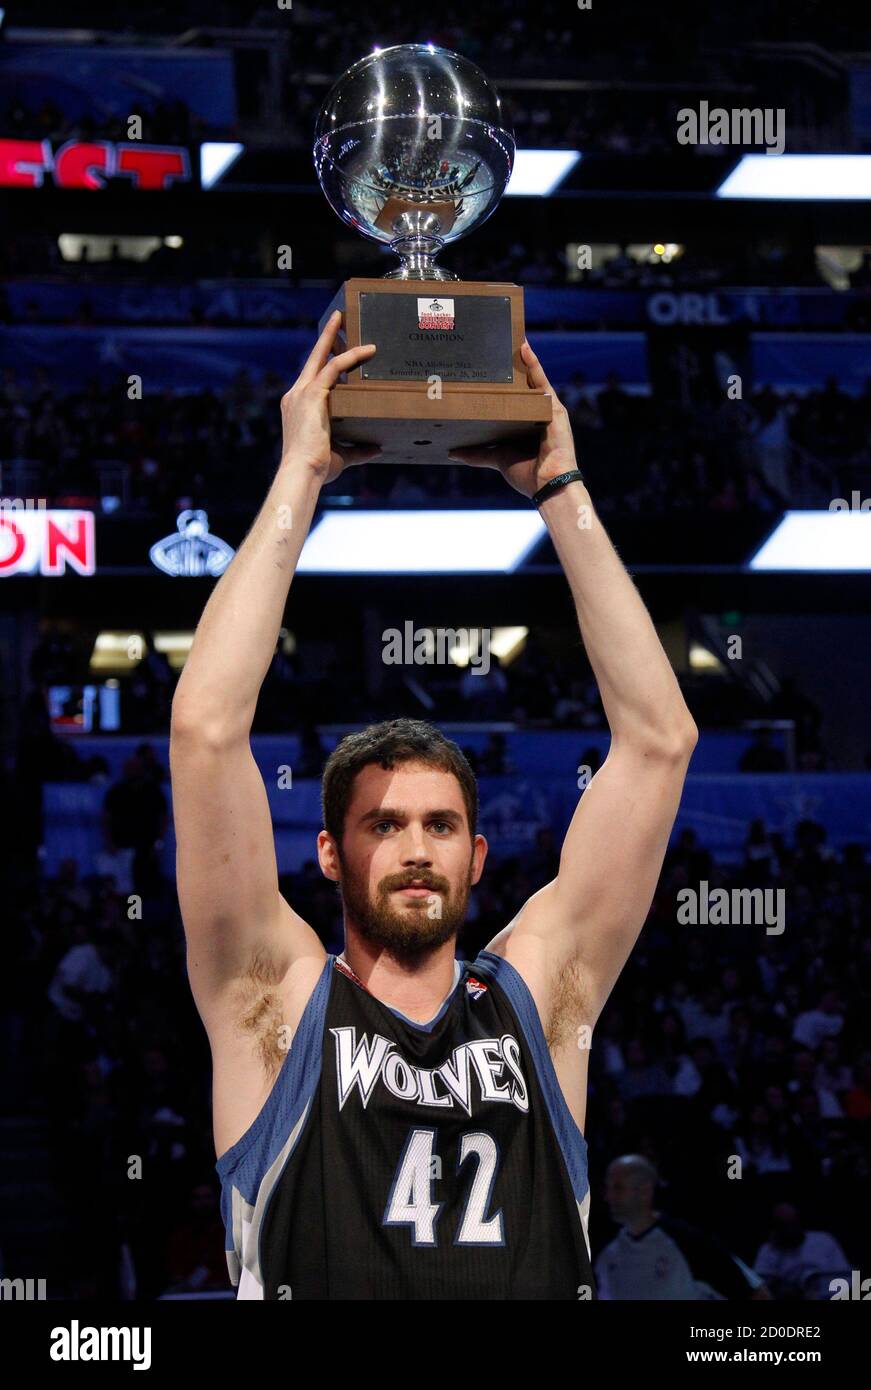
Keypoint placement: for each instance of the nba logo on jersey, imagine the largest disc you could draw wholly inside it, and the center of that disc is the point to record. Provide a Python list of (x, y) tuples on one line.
[(475, 988)]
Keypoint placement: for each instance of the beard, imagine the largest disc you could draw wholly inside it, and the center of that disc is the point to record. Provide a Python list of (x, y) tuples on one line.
[(406, 933)]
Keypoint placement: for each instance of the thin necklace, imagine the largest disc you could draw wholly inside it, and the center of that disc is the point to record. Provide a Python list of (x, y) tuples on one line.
[(346, 970)]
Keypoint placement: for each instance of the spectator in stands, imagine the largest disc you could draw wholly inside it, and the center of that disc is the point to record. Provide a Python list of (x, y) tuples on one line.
[(543, 861), (572, 707), (688, 854), (613, 403), (657, 1257), (805, 1077), (495, 760), (857, 1102), (671, 1046), (312, 755), (641, 1076), (150, 764), (706, 1018), (796, 1263), (761, 755), (760, 857), (195, 1258), (485, 691), (741, 1048), (832, 1073), (80, 975), (135, 815), (825, 1021), (764, 1146), (148, 694)]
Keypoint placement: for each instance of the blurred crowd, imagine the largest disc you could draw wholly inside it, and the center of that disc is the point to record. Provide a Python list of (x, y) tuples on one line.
[(718, 1042), (506, 257), (597, 121), (729, 1041), (616, 65), (601, 30), (226, 256), (164, 122), (684, 448), (548, 686)]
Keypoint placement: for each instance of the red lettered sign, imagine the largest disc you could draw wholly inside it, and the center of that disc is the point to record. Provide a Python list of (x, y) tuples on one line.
[(91, 164), (46, 541)]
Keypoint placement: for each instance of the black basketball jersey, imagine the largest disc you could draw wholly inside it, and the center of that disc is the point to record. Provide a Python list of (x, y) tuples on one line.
[(403, 1160)]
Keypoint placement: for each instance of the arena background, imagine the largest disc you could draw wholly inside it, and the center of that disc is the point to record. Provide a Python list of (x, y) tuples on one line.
[(151, 318)]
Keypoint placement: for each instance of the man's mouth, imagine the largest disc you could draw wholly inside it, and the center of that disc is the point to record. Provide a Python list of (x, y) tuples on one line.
[(416, 890)]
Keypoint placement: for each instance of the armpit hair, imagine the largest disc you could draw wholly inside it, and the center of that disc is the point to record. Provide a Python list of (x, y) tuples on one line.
[(568, 1006), (259, 1010)]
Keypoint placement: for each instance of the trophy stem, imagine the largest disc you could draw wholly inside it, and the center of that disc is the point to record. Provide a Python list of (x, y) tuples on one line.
[(417, 254)]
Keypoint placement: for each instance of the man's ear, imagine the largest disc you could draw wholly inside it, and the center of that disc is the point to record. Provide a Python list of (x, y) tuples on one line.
[(328, 856), (479, 854)]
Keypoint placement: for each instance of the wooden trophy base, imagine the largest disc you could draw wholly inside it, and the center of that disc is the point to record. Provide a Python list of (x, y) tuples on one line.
[(447, 374)]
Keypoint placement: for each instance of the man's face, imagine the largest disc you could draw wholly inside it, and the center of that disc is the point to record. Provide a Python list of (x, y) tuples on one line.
[(788, 1232), (407, 860), (625, 1193), (617, 1192)]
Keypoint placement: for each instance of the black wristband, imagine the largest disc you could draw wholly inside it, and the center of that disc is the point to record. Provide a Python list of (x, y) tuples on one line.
[(551, 486)]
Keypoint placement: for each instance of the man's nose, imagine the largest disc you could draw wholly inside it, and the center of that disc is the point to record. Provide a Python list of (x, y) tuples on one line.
[(414, 847)]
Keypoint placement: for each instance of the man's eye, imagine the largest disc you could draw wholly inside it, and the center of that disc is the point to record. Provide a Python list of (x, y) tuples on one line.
[(437, 824)]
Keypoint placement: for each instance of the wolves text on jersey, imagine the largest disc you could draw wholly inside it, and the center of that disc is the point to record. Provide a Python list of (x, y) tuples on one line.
[(360, 1065)]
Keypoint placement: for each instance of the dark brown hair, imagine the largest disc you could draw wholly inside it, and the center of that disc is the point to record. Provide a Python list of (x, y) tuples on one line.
[(392, 742)]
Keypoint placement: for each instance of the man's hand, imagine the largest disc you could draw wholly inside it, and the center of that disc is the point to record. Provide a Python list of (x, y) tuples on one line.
[(305, 414), (525, 471)]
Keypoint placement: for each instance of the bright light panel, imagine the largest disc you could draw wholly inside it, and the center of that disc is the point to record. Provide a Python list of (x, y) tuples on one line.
[(813, 176), (216, 156), (703, 660), (425, 542), (117, 651), (508, 642), (539, 172), (175, 646), (817, 541)]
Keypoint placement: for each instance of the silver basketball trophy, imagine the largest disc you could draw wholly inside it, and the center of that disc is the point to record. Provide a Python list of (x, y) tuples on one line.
[(413, 151)]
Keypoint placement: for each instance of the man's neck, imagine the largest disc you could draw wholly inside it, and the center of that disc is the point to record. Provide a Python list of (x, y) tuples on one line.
[(642, 1223), (417, 988)]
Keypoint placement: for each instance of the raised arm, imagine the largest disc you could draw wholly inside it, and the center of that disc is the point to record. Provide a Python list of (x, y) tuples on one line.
[(573, 937), (236, 922)]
